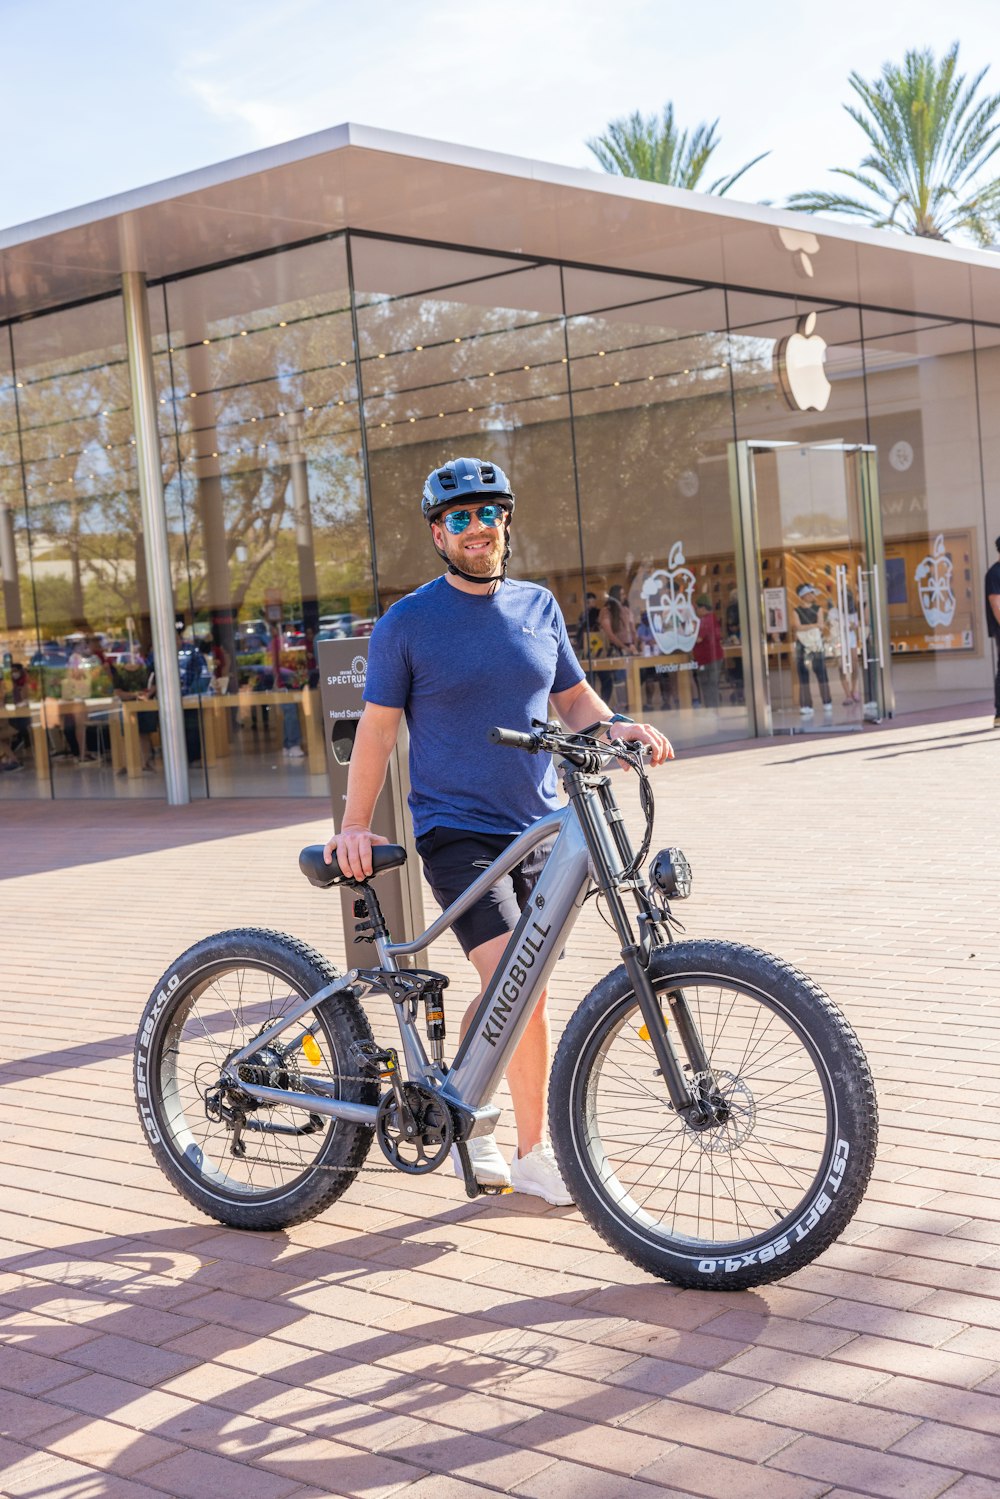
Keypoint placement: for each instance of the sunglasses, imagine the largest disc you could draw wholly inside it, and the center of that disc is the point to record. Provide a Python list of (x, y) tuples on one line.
[(457, 521)]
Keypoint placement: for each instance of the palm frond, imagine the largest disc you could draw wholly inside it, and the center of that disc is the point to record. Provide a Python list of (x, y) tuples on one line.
[(932, 139), (655, 149)]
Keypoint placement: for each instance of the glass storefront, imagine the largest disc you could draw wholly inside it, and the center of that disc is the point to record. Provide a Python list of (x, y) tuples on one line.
[(305, 393), (261, 437), (652, 409)]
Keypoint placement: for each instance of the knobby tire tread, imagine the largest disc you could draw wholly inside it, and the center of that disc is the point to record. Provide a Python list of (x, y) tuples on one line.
[(853, 1074), (349, 1024)]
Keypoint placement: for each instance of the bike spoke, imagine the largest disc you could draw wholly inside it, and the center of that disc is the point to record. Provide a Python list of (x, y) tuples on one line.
[(739, 1176)]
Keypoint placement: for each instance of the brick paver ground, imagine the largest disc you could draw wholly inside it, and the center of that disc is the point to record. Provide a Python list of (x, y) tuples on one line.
[(410, 1341)]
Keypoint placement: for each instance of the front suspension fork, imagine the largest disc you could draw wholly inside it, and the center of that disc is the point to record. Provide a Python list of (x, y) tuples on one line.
[(684, 1100)]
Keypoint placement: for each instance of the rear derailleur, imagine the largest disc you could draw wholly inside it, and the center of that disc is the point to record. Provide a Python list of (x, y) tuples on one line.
[(228, 1104)]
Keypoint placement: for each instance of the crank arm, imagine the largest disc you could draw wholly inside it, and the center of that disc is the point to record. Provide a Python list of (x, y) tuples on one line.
[(472, 1187)]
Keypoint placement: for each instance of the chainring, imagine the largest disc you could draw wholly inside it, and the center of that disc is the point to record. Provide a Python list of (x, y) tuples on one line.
[(433, 1131)]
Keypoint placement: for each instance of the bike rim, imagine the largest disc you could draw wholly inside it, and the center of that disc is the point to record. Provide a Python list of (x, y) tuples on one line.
[(737, 1185), (221, 1010)]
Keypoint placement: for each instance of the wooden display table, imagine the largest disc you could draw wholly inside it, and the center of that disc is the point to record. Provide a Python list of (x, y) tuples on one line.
[(217, 729), (682, 672)]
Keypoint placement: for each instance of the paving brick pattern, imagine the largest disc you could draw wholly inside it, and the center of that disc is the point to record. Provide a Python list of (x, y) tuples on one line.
[(411, 1342)]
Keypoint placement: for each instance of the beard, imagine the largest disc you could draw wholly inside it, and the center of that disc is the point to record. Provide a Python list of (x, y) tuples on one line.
[(479, 564)]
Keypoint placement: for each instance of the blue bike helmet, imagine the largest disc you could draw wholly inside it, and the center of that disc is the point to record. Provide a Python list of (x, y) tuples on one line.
[(460, 478)]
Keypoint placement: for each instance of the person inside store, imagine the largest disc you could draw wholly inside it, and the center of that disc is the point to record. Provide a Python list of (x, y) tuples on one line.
[(841, 636), (138, 686), (282, 679), (73, 712), (219, 662), (195, 677), (467, 651), (617, 624), (20, 722), (708, 653), (810, 616), (993, 625)]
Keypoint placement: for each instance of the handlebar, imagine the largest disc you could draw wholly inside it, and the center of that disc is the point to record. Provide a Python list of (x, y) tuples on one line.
[(551, 737), (514, 739)]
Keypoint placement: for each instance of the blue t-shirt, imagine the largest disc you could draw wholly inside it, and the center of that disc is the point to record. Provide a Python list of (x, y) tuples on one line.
[(460, 663)]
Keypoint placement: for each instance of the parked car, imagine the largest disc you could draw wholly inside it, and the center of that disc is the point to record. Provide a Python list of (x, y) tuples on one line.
[(51, 656)]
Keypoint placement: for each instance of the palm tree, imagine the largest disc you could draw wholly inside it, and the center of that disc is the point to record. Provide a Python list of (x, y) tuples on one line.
[(930, 139), (657, 151)]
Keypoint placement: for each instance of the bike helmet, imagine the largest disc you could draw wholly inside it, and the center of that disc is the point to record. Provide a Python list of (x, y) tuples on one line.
[(461, 478)]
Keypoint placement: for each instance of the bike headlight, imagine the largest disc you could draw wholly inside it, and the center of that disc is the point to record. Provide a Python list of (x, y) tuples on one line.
[(670, 874)]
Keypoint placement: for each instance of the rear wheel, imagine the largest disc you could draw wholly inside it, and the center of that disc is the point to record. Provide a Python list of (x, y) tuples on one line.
[(778, 1174), (287, 1165)]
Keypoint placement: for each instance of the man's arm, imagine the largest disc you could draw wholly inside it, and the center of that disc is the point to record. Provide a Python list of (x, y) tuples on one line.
[(994, 599), (580, 705), (373, 743)]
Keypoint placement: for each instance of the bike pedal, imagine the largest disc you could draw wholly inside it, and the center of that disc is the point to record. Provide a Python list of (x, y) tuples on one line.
[(498, 1189)]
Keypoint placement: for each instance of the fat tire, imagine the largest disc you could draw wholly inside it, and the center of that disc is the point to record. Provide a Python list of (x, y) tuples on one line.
[(853, 1119), (345, 1145)]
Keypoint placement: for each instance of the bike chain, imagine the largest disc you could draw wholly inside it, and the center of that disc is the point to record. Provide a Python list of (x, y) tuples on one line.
[(343, 1077)]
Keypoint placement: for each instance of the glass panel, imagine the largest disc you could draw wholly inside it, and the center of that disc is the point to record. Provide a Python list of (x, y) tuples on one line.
[(988, 382), (922, 399), (21, 725), (661, 626), (821, 634), (473, 366), (798, 377), (87, 556), (259, 374)]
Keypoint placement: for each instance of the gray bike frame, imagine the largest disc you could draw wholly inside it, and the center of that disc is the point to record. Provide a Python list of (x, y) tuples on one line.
[(510, 997)]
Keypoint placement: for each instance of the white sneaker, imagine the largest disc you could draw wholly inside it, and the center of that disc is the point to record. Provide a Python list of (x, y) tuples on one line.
[(538, 1175), (807, 712), (488, 1165), (294, 752), (827, 707)]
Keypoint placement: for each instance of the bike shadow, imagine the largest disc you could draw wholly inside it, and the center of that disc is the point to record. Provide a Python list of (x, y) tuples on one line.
[(258, 1347)]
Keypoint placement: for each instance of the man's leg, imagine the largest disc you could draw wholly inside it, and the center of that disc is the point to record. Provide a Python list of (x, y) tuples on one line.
[(528, 1069)]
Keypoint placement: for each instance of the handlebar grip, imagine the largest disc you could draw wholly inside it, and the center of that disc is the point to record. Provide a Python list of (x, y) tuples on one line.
[(513, 739)]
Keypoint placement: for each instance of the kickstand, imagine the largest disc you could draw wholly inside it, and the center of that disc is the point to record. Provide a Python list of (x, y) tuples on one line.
[(472, 1187)]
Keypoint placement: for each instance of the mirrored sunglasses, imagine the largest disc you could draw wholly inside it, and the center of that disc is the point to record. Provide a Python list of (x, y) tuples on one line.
[(458, 521)]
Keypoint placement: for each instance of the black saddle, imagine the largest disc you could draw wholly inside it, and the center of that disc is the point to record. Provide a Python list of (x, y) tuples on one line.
[(384, 856)]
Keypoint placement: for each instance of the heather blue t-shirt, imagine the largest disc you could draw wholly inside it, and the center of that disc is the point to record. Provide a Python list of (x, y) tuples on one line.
[(460, 663)]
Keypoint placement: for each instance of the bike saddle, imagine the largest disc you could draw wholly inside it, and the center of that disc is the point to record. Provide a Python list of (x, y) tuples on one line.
[(384, 856)]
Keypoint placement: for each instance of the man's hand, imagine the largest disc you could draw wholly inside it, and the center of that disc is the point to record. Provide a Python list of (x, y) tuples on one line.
[(660, 747), (353, 847)]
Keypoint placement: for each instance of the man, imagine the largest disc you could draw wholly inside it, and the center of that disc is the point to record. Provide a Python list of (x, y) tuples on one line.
[(810, 617), (471, 649), (708, 653), (993, 624)]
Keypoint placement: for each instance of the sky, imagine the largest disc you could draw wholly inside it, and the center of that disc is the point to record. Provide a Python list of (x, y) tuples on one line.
[(113, 94)]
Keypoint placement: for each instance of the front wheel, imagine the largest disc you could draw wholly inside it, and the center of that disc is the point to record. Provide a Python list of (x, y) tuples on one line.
[(769, 1185), (281, 1165)]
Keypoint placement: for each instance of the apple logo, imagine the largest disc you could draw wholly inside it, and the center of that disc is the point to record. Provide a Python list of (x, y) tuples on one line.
[(933, 578), (799, 361), (667, 593)]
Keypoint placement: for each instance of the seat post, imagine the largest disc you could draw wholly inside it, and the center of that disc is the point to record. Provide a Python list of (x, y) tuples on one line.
[(374, 910)]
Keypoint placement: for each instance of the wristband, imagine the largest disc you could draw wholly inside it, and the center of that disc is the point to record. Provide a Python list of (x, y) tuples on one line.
[(620, 718)]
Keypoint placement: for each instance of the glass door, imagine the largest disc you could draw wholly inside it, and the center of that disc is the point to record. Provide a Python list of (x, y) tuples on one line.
[(813, 564)]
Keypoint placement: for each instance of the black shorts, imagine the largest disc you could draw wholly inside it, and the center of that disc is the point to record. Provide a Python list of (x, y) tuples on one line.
[(453, 858)]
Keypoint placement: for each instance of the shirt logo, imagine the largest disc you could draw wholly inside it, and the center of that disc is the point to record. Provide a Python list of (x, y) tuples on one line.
[(526, 631)]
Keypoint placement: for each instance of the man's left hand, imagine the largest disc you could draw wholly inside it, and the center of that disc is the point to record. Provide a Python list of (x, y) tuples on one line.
[(660, 748)]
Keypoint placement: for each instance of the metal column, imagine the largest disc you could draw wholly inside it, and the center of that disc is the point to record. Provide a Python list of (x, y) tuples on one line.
[(154, 524)]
